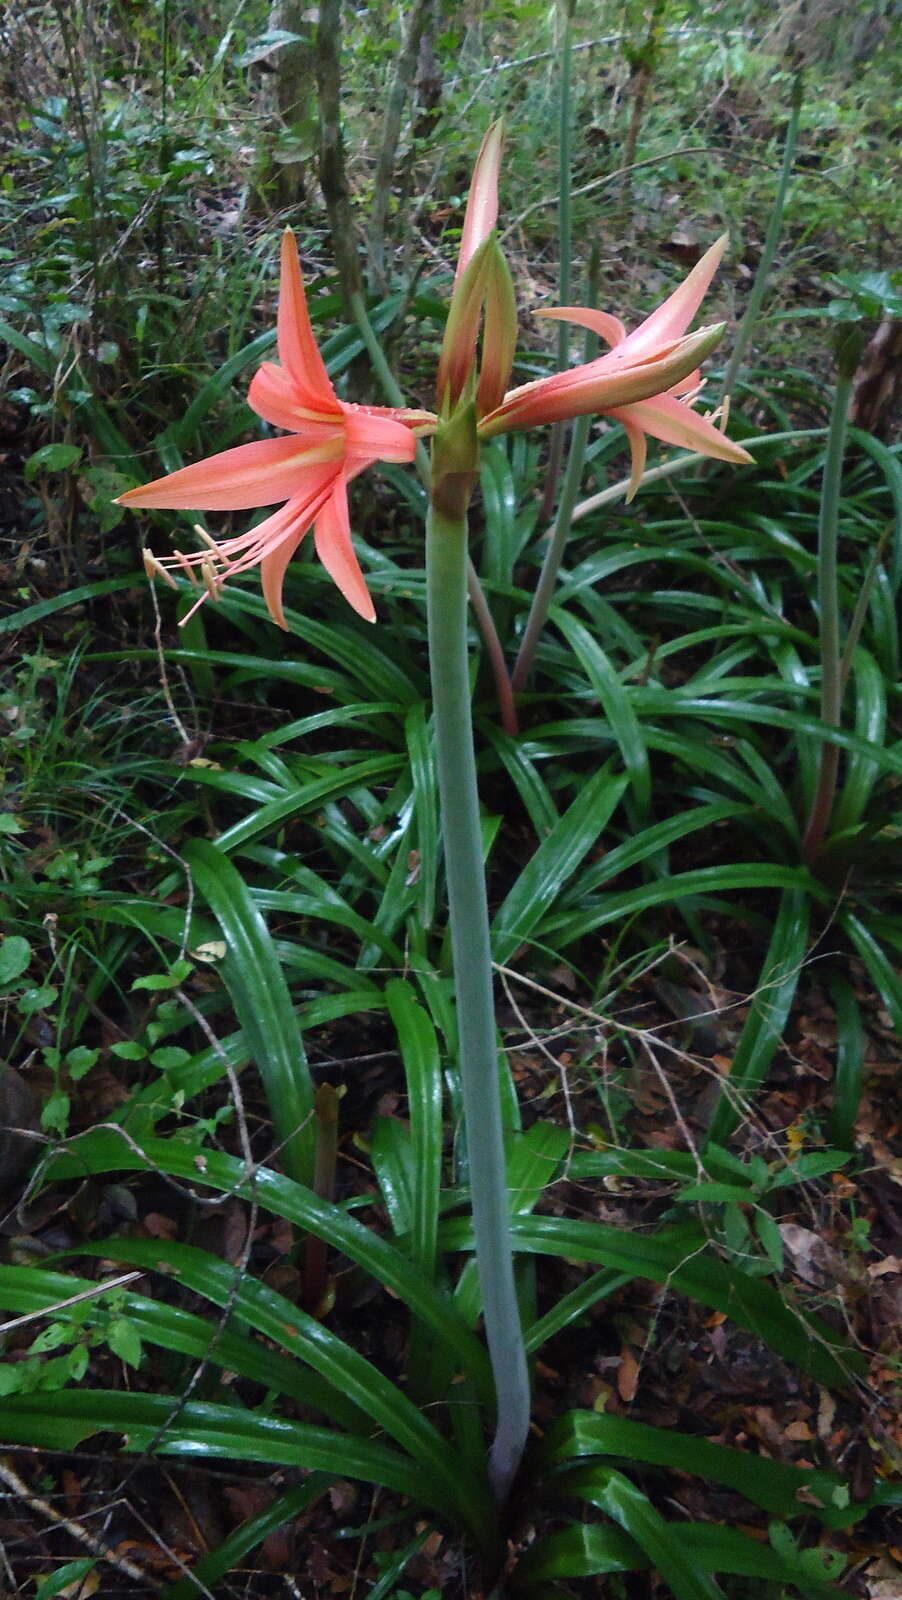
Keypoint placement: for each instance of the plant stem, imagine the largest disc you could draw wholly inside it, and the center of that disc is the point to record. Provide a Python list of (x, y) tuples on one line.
[(446, 584), (541, 600), (828, 614), (554, 555), (771, 240), (565, 243)]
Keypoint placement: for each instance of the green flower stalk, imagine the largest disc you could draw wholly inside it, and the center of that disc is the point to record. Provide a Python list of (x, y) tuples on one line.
[(454, 474)]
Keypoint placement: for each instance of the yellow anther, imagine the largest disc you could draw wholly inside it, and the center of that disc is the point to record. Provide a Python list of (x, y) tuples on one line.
[(155, 568)]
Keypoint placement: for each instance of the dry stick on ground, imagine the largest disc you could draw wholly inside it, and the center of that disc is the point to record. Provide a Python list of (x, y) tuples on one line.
[(78, 1531), (643, 1034), (539, 1043)]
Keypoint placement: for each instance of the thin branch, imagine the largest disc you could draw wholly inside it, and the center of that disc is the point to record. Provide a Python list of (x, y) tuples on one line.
[(77, 1529)]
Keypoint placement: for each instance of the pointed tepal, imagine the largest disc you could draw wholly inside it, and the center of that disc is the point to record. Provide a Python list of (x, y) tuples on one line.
[(327, 444)]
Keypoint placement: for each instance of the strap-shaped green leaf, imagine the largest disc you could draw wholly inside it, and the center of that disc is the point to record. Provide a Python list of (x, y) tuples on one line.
[(557, 857), (172, 1426), (588, 1550), (883, 973), (870, 724), (682, 1257), (422, 1069), (617, 701), (262, 1003), (251, 1533), (29, 1289), (564, 927), (849, 1070), (763, 1028), (625, 1504), (104, 1150), (279, 1320), (777, 1487), (417, 731)]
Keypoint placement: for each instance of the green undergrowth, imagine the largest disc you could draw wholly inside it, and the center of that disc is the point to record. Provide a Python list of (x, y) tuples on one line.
[(224, 969), (220, 901)]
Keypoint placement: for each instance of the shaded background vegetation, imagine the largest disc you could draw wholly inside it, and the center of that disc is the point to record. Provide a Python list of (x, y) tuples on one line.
[(646, 859)]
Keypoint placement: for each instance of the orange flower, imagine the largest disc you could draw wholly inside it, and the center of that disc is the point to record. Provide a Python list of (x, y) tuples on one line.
[(328, 443), (638, 382)]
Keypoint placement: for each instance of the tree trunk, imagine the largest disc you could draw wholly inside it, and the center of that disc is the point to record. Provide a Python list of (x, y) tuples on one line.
[(287, 112), (332, 175), (391, 133), (295, 100)]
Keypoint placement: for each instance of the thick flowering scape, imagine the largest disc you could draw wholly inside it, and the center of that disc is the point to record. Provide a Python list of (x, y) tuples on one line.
[(328, 444)]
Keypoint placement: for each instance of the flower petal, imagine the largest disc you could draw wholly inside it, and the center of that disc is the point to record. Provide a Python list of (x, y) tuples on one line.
[(638, 455), (336, 552), (599, 386), (246, 550), (369, 437), (272, 569), (298, 350), (276, 398), (668, 419), (258, 474), (411, 416), (458, 352), (499, 333), (670, 320), (610, 328)]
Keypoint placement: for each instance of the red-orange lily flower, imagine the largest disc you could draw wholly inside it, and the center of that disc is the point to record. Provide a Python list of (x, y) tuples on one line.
[(328, 443), (638, 382)]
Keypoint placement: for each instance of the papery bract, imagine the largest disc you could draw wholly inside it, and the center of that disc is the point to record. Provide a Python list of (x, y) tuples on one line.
[(329, 443), (638, 382), (482, 289), (482, 202)]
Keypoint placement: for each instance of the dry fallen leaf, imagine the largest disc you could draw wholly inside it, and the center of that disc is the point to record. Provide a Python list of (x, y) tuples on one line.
[(627, 1375), (810, 1256)]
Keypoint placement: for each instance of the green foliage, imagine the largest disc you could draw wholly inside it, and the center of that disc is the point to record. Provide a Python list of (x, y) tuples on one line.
[(188, 913), (75, 1331)]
